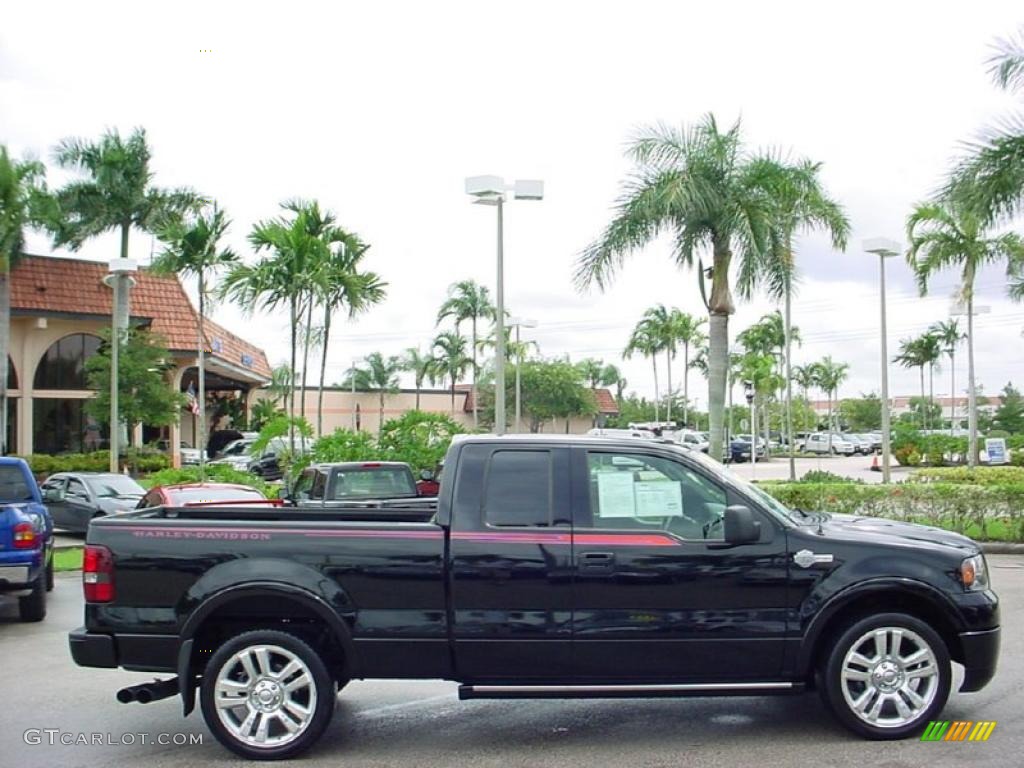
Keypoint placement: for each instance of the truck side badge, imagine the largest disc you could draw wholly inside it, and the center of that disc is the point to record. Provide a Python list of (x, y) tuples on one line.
[(805, 558)]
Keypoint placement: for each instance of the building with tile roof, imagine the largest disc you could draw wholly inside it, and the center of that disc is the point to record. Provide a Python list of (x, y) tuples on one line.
[(59, 305)]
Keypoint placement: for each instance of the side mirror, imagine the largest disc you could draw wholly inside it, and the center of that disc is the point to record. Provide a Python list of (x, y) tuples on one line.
[(739, 526), (426, 474), (282, 493), (55, 495)]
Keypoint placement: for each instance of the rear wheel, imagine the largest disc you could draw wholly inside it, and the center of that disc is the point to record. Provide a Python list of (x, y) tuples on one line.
[(267, 695), (887, 676), (32, 607), (49, 574)]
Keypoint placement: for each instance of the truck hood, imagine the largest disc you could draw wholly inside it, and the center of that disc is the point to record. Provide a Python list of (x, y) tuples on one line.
[(882, 531)]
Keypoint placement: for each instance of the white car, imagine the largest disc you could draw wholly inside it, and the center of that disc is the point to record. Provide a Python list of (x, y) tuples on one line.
[(689, 439), (613, 432), (189, 455), (236, 454), (863, 443), (818, 442)]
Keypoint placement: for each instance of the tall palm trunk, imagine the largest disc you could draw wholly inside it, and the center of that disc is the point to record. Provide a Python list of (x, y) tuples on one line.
[(323, 372), (720, 307), (788, 374), (5, 344), (654, 360), (924, 407), (931, 389), (972, 401), (293, 311), (668, 405), (453, 391), (305, 356), (380, 414), (686, 382), (419, 385), (475, 398), (201, 424), (952, 392)]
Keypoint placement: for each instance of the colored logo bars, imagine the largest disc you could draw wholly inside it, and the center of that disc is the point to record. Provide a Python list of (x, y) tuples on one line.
[(958, 730)]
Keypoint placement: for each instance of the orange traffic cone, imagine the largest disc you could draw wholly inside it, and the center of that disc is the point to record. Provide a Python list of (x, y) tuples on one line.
[(874, 464)]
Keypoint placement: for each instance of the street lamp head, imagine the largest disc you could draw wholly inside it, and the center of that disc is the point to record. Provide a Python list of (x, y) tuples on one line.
[(528, 189), (485, 186), (122, 266), (883, 247), (522, 322)]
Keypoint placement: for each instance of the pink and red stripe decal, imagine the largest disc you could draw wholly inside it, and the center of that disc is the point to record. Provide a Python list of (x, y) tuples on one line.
[(497, 537)]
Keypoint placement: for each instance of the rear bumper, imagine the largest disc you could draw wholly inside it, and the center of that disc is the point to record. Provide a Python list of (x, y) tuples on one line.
[(15, 576), (144, 653), (981, 654)]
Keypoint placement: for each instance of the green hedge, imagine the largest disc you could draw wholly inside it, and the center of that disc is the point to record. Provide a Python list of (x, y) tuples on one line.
[(97, 461), (215, 473), (976, 510), (968, 476)]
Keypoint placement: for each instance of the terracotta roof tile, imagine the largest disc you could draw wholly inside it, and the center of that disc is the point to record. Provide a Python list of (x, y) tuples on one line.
[(605, 402), (46, 284)]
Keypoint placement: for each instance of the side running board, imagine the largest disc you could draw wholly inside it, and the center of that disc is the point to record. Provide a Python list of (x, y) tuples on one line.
[(625, 690)]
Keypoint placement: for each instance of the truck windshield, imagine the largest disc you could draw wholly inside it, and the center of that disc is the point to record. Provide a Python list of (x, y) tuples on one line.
[(13, 486), (773, 504), (373, 483)]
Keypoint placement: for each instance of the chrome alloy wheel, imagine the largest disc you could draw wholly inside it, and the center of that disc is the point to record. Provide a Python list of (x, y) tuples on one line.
[(265, 696), (890, 676)]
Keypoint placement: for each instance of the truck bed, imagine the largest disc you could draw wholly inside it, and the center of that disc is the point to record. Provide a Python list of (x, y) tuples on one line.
[(398, 511)]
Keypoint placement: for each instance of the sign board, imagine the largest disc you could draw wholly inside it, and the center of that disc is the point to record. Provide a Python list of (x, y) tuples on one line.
[(995, 447)]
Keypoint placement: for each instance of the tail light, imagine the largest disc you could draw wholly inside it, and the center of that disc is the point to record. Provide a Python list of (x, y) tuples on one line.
[(25, 536), (97, 574)]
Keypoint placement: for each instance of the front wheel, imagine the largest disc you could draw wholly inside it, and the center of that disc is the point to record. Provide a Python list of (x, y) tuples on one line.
[(267, 695), (887, 676)]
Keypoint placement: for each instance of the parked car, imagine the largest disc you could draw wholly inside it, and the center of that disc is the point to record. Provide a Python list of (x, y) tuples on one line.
[(800, 440), (430, 482), (76, 498), (821, 442), (353, 481), (236, 454), (644, 434), (556, 566), (26, 540), (190, 494), (862, 443), (189, 455), (689, 439)]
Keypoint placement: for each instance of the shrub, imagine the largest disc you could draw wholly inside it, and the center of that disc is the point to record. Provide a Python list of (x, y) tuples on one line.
[(215, 473), (823, 476), (419, 439), (968, 476), (957, 507), (345, 445), (907, 456)]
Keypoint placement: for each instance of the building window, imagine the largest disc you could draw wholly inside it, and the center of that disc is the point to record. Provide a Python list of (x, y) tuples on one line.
[(12, 375), (63, 365), (12, 425), (62, 426)]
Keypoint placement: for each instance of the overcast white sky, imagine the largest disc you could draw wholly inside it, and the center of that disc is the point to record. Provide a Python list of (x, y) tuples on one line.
[(380, 110)]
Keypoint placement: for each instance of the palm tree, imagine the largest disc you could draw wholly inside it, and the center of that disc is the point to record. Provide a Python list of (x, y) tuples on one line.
[(450, 351), (949, 335), (117, 193), (686, 330), (380, 376), (931, 352), (829, 375), (287, 276), (646, 340), (913, 355), (700, 186), (468, 301), (193, 248), (423, 367), (950, 234), (340, 283), (20, 188), (805, 378), (989, 180), (801, 204), (282, 382)]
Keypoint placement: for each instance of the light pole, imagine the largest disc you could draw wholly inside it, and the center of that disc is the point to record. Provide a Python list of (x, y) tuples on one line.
[(491, 190), (967, 308), (885, 249), (748, 392), (120, 280), (517, 323)]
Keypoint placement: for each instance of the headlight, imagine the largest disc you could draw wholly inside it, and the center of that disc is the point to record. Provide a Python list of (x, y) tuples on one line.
[(974, 573)]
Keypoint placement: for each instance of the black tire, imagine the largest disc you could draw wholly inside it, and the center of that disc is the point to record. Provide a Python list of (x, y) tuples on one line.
[(322, 686), (32, 607), (892, 721), (49, 574)]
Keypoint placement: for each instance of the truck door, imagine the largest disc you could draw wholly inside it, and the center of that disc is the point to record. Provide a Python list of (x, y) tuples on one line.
[(511, 563), (658, 595)]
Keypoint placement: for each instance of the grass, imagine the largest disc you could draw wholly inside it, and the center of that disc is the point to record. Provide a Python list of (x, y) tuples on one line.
[(68, 559)]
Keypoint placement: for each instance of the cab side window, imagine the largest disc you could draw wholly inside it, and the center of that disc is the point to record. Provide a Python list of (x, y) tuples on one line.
[(304, 485), (635, 491), (518, 488), (319, 486), (76, 489)]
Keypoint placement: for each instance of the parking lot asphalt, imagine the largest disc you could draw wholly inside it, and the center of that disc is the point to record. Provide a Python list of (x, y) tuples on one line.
[(856, 467), (422, 724)]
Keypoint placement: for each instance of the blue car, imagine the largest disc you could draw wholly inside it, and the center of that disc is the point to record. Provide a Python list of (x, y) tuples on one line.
[(26, 540)]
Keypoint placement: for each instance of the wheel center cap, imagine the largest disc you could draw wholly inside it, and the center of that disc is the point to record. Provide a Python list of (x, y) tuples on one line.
[(266, 695), (888, 675)]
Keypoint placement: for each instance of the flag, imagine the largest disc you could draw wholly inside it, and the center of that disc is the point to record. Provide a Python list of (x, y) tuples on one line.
[(193, 402)]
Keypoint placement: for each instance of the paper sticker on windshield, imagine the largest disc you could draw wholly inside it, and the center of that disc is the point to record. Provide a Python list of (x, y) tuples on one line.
[(615, 494), (658, 498)]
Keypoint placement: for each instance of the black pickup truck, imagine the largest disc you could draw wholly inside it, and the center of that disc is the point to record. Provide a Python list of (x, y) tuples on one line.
[(552, 567)]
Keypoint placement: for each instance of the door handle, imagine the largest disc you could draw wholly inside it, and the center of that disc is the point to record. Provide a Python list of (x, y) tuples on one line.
[(597, 562)]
